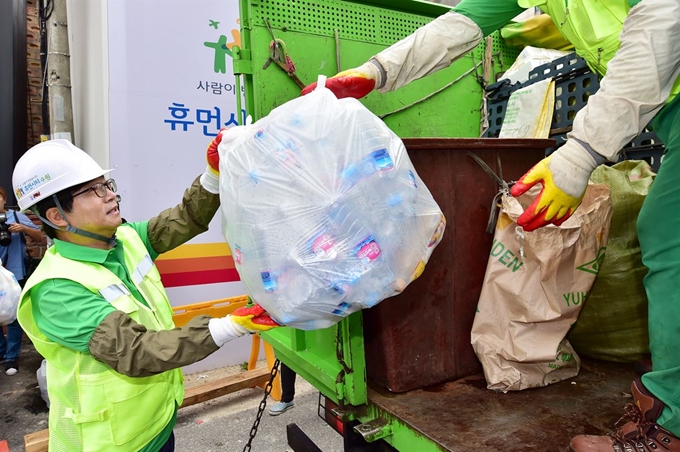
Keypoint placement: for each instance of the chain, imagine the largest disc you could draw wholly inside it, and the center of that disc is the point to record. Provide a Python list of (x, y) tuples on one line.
[(263, 404)]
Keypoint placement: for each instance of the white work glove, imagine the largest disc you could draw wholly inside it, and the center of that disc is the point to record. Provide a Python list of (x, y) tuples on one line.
[(224, 330)]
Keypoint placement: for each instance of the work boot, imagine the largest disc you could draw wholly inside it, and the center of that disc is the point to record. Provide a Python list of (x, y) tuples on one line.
[(643, 366), (640, 434)]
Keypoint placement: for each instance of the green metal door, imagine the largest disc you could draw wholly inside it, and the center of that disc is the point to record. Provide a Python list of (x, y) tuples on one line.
[(318, 33), (332, 359)]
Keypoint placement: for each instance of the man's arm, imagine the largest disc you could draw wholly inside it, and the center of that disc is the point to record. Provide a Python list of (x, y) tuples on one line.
[(430, 48), (637, 85), (131, 349), (76, 318), (29, 228), (638, 81), (179, 224)]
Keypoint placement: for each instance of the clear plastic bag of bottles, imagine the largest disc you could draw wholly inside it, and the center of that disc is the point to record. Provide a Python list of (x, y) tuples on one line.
[(10, 293), (323, 210)]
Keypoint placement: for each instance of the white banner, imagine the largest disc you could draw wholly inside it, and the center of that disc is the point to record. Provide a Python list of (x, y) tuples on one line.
[(171, 88)]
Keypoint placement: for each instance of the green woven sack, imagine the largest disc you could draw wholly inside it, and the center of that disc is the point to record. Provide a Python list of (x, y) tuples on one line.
[(612, 325)]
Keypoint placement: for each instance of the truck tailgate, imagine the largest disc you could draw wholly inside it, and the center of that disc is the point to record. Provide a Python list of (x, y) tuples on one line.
[(462, 415)]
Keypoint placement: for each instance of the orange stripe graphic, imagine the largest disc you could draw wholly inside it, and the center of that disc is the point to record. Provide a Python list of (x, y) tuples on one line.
[(194, 264)]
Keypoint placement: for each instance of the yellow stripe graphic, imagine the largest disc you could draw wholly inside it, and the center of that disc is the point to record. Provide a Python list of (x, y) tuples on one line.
[(197, 250)]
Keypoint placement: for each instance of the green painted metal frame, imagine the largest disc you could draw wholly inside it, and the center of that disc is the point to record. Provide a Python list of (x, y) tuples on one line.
[(401, 436), (332, 359), (364, 28)]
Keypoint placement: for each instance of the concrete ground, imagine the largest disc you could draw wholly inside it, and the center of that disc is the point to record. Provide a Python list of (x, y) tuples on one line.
[(22, 410), (221, 424)]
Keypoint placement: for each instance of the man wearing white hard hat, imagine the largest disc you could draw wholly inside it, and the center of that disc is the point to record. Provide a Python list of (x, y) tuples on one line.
[(96, 310)]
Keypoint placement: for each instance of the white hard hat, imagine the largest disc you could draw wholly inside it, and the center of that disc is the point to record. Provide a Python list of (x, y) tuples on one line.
[(50, 167)]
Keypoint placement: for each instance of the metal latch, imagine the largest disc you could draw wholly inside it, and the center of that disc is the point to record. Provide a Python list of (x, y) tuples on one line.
[(374, 430)]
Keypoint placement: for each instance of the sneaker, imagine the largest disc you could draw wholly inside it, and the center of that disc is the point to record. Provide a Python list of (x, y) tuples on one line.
[(640, 434), (11, 368), (280, 407)]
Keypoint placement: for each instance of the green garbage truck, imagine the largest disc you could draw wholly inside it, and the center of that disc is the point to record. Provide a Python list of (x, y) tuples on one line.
[(402, 375)]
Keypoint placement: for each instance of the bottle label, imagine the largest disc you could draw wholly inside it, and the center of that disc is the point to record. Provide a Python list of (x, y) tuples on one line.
[(382, 160), (436, 237), (376, 161), (368, 250), (287, 153), (237, 254), (412, 179), (342, 307), (322, 245), (268, 281)]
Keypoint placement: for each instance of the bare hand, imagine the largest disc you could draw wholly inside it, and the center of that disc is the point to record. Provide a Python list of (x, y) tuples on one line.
[(16, 227)]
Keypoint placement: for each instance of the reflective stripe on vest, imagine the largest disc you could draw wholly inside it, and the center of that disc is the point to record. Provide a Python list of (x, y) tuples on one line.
[(92, 407), (142, 269), (113, 292), (593, 27)]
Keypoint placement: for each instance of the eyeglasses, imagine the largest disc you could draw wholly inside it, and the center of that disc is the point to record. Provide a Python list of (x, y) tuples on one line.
[(100, 188)]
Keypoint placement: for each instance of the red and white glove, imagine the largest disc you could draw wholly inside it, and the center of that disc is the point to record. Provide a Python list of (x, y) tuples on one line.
[(246, 320), (356, 83), (210, 180)]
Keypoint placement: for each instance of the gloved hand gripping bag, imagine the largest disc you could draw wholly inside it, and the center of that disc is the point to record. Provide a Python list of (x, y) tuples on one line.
[(323, 210)]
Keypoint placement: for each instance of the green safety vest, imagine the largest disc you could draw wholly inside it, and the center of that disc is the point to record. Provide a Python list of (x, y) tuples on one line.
[(93, 407), (592, 26)]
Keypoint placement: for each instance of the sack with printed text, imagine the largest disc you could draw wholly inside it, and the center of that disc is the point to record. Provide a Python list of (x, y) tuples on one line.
[(323, 210), (10, 293), (534, 288)]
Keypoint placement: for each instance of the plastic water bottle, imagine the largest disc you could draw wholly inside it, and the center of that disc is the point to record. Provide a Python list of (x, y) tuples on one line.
[(378, 163), (360, 254), (41, 374)]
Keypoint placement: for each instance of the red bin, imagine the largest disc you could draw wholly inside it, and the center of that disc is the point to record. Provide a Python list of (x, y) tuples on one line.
[(422, 336)]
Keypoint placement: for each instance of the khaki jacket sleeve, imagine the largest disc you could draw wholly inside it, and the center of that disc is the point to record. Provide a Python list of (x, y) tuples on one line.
[(133, 350), (181, 223)]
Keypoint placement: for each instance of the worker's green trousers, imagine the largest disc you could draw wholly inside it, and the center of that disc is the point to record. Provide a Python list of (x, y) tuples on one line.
[(659, 234)]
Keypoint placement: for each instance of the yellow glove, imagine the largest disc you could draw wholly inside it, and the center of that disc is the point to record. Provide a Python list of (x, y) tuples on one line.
[(564, 176), (253, 318)]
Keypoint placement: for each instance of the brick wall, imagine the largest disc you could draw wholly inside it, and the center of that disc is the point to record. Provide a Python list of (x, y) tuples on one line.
[(34, 100)]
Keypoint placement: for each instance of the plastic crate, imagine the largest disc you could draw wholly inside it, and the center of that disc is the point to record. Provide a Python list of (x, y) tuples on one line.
[(574, 84)]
